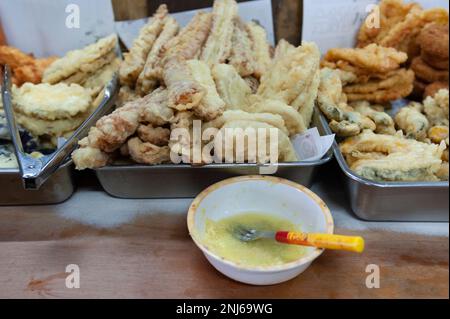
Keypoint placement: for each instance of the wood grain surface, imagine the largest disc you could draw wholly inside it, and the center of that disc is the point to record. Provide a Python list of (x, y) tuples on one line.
[(153, 257)]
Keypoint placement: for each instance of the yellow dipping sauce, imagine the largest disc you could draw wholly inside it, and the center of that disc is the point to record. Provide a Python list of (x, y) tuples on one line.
[(263, 252)]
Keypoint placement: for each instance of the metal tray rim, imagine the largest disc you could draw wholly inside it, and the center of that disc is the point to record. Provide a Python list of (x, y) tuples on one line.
[(17, 170), (322, 161), (349, 173)]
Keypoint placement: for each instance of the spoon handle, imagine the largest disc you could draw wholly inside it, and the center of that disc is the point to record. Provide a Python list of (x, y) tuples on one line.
[(326, 241)]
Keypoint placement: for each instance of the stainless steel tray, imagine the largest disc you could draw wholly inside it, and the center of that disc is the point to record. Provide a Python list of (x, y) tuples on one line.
[(393, 201), (186, 181), (57, 188)]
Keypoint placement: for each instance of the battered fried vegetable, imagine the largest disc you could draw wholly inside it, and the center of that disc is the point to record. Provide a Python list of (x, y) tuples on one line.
[(392, 158), (384, 123), (260, 48), (231, 87), (413, 123)]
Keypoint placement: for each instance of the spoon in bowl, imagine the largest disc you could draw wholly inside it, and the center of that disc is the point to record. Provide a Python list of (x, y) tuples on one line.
[(325, 241)]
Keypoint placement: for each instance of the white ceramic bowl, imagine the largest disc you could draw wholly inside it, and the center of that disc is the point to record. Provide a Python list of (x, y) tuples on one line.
[(265, 195)]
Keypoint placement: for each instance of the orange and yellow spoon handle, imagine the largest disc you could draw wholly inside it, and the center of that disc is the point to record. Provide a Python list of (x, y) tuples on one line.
[(326, 241)]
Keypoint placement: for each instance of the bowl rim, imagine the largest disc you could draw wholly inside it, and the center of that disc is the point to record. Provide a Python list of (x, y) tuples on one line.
[(273, 179)]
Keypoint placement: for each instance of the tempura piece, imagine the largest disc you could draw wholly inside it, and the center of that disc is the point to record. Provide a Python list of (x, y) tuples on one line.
[(282, 49), (158, 136), (151, 75), (396, 87), (126, 94), (135, 59), (437, 108), (383, 121), (147, 153), (84, 61), (218, 46), (413, 123), (231, 87), (392, 158), (438, 133), (237, 115), (185, 93), (392, 12), (305, 102), (211, 105), (260, 47), (51, 102), (90, 157), (286, 151), (241, 51), (292, 75), (292, 119), (373, 57), (155, 110), (344, 120)]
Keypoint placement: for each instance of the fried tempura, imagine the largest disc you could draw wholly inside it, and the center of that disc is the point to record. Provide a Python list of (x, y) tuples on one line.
[(241, 51), (292, 119), (218, 46), (286, 152), (84, 61), (384, 123), (413, 123), (260, 47), (211, 105), (392, 158), (90, 157), (437, 108), (158, 136), (147, 153), (237, 115), (135, 59), (155, 110), (151, 75), (373, 57), (231, 87), (184, 92), (291, 75)]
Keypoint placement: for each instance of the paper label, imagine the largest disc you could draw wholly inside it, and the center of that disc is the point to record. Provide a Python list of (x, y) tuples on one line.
[(310, 146)]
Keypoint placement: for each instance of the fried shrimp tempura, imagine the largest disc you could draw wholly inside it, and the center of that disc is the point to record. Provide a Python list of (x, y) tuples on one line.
[(151, 75), (218, 46), (155, 110), (241, 51), (147, 153), (373, 57), (158, 136), (135, 59), (261, 48), (90, 157), (184, 92), (392, 158), (233, 90), (413, 123), (212, 104)]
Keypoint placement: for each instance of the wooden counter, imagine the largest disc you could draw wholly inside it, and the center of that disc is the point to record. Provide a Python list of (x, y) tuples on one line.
[(141, 249)]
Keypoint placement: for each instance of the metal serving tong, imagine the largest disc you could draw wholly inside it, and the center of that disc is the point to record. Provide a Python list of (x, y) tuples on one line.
[(35, 171)]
